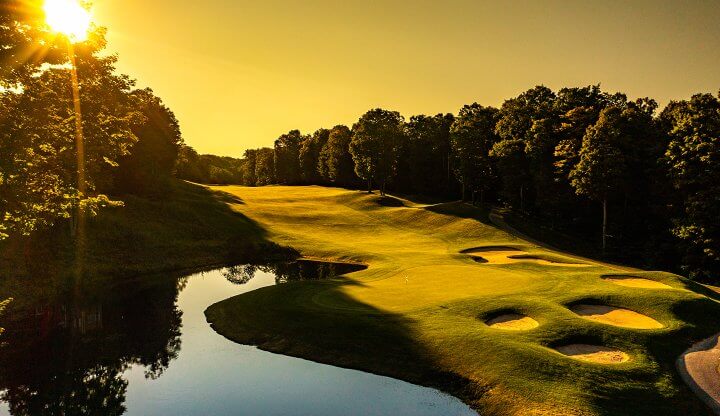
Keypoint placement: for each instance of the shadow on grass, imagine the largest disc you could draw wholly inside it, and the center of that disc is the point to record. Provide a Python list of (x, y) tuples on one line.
[(462, 210), (189, 227)]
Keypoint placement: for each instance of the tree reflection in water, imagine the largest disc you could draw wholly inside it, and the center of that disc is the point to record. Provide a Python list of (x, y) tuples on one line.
[(292, 271), (67, 357), (65, 353)]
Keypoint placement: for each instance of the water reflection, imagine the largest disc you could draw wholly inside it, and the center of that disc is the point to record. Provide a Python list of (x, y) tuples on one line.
[(145, 348), (292, 271), (65, 354)]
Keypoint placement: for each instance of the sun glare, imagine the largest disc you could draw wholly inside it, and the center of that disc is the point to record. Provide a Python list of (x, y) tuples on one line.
[(68, 17)]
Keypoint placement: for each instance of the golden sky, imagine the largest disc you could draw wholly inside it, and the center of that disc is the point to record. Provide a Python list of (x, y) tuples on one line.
[(240, 73)]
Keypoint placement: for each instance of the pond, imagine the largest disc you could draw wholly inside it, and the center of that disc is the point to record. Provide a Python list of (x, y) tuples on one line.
[(146, 349)]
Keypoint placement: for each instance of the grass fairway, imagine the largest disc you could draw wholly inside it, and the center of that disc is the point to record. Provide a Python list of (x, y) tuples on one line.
[(419, 311)]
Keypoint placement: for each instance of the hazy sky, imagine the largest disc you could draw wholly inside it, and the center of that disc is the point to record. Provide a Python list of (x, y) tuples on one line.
[(239, 73)]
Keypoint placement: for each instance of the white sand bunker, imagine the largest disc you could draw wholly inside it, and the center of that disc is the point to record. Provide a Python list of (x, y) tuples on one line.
[(594, 353), (616, 316), (512, 322), (637, 282), (507, 255)]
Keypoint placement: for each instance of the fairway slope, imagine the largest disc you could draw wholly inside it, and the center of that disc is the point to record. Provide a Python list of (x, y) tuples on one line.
[(423, 310)]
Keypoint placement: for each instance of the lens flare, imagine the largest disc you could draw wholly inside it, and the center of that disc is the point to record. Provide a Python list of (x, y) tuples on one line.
[(68, 17)]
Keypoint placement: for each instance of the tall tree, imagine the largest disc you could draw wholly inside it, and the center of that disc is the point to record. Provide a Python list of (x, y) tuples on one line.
[(249, 167), (602, 167), (335, 162), (38, 159), (153, 157), (514, 167), (374, 146), (425, 157), (287, 157), (472, 135), (265, 166), (309, 155), (529, 119)]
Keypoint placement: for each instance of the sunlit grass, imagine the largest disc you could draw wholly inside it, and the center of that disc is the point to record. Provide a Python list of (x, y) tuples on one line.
[(417, 312)]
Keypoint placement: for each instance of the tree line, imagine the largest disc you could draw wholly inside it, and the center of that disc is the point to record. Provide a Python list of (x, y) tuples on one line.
[(643, 181), (578, 159)]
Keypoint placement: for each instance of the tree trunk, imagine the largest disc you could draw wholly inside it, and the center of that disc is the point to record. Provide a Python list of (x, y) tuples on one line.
[(448, 173), (522, 199), (604, 225), (482, 197), (382, 188), (369, 185), (463, 191)]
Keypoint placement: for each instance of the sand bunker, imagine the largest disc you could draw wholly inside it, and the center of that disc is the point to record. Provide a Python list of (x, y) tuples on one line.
[(616, 316), (594, 353), (507, 255), (512, 322), (637, 282)]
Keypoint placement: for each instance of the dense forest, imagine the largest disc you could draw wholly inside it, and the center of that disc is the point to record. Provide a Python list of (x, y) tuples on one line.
[(616, 171), (642, 183)]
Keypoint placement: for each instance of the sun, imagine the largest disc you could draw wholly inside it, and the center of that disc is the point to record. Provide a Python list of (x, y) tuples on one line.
[(68, 17)]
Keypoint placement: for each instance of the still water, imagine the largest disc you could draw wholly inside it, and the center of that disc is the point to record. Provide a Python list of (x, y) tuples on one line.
[(148, 350)]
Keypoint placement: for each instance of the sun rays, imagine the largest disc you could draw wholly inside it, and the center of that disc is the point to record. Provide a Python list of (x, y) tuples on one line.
[(68, 17)]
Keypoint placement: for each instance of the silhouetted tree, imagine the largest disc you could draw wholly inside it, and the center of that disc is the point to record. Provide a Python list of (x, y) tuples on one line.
[(153, 157), (309, 155), (602, 167), (472, 136), (335, 162), (265, 166), (287, 157), (425, 155), (374, 145)]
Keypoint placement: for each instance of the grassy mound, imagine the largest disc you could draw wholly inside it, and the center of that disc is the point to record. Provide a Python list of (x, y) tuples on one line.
[(187, 227), (417, 312)]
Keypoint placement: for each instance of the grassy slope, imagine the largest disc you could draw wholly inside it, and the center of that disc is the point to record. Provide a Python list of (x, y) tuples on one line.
[(189, 227), (186, 228), (415, 314)]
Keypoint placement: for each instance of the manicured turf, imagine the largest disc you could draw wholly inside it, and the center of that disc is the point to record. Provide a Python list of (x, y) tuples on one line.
[(418, 312)]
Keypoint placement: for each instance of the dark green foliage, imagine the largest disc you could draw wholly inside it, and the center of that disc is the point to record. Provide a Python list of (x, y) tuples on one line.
[(376, 139), (38, 163), (693, 160), (210, 169), (265, 166), (152, 158), (602, 167), (309, 156), (472, 137), (335, 162), (514, 169), (287, 158), (425, 155)]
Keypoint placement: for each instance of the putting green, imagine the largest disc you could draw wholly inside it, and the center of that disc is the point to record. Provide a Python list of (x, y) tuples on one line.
[(418, 312)]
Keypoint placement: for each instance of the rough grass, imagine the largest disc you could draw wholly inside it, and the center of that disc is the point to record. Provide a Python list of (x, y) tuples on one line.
[(187, 227), (417, 312)]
